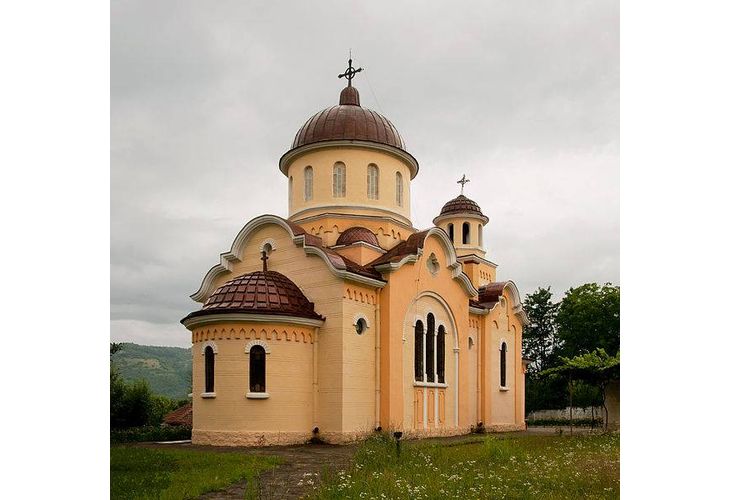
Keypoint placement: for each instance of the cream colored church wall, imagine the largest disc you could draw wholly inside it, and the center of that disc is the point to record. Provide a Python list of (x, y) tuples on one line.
[(232, 418), (507, 406), (408, 282), (356, 161), (480, 274), (319, 285), (472, 357), (358, 357)]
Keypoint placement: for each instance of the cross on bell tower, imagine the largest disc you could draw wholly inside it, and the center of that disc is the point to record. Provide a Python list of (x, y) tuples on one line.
[(463, 182), (349, 72)]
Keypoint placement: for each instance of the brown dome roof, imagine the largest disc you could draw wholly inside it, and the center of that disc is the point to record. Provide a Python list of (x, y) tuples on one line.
[(356, 234), (349, 121), (461, 204), (260, 292)]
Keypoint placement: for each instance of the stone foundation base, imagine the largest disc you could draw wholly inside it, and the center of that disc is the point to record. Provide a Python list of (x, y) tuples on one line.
[(248, 438), (272, 438), (505, 427)]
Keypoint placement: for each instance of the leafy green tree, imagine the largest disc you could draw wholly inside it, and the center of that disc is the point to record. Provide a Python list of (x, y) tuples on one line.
[(597, 368), (137, 404), (538, 336), (115, 348), (587, 319)]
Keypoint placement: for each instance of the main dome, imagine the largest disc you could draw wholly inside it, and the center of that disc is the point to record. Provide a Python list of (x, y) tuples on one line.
[(348, 121)]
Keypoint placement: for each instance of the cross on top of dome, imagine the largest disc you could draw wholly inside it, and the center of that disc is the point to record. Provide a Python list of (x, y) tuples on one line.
[(463, 182), (349, 72)]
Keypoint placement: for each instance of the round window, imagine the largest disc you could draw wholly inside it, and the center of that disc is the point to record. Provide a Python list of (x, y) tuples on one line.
[(360, 326)]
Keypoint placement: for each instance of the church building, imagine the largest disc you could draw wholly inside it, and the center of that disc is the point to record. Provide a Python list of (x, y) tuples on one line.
[(343, 319)]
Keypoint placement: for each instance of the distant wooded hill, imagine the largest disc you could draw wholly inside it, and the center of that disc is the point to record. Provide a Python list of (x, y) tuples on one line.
[(168, 370)]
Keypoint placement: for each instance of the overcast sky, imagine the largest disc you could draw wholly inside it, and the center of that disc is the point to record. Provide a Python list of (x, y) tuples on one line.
[(522, 97)]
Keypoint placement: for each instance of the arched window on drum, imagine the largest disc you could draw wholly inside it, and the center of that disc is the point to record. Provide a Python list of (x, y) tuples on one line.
[(308, 183), (339, 180), (373, 175)]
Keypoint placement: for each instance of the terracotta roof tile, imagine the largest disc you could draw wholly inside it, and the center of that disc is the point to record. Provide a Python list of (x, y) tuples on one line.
[(356, 234), (260, 292), (182, 416), (461, 204)]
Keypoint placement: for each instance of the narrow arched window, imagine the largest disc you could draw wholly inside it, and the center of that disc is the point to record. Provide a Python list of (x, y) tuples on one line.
[(465, 236), (308, 183), (418, 351), (373, 181), (503, 365), (291, 190), (339, 181), (430, 333), (209, 369), (481, 239), (451, 232), (399, 189), (441, 354), (257, 369)]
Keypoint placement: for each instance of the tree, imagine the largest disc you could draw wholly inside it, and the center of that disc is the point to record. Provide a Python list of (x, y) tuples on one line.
[(597, 368), (538, 336), (587, 319), (115, 348)]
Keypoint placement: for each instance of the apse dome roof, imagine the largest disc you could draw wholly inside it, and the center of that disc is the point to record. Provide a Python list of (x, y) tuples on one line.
[(348, 121), (357, 234), (260, 292)]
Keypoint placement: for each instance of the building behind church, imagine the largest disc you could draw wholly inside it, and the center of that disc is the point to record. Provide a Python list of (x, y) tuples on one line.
[(343, 318)]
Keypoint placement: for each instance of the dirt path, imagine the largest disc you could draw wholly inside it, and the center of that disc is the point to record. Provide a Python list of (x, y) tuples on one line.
[(301, 471)]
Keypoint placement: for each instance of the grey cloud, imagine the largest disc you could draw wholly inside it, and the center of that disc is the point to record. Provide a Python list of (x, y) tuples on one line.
[(521, 96)]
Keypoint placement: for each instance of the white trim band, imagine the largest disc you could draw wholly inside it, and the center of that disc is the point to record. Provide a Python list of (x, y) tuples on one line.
[(249, 318)]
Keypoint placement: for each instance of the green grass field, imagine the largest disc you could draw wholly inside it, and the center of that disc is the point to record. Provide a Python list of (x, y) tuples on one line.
[(539, 467), (141, 473)]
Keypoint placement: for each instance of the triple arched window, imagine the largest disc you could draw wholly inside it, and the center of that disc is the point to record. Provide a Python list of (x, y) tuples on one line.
[(373, 181), (308, 183), (399, 189), (434, 357), (339, 180)]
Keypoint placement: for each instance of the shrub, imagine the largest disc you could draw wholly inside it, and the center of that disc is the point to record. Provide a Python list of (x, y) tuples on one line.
[(134, 405), (150, 433), (577, 422)]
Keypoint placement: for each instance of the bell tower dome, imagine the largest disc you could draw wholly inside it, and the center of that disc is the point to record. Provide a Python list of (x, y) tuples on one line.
[(464, 222)]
